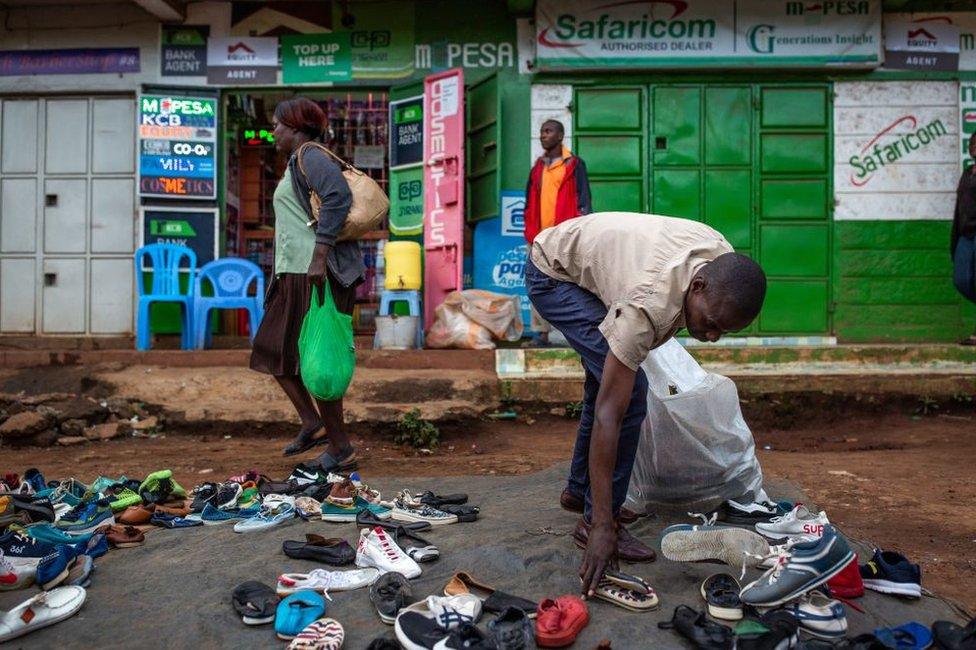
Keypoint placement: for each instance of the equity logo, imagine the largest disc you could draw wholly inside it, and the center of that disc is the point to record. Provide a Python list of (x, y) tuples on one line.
[(240, 51), (887, 147), (571, 30), (838, 8)]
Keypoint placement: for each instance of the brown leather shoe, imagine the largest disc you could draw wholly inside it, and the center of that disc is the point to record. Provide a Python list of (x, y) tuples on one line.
[(123, 536), (136, 515), (629, 548), (628, 516), (175, 508), (571, 502)]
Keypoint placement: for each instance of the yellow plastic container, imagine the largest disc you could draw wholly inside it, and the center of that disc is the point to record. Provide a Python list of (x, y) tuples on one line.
[(402, 265)]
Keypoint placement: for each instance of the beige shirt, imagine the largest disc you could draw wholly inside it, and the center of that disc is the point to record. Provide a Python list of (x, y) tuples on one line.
[(639, 265)]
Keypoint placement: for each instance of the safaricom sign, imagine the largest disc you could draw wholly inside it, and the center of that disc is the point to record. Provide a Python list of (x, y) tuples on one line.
[(707, 33)]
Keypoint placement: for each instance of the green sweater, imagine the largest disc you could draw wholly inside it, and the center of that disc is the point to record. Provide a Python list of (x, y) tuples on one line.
[(294, 240)]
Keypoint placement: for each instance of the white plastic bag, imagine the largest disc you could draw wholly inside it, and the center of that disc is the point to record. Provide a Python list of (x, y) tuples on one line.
[(470, 318), (696, 450)]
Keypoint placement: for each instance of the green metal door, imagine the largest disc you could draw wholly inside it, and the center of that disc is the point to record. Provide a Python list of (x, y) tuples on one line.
[(750, 160), (483, 129)]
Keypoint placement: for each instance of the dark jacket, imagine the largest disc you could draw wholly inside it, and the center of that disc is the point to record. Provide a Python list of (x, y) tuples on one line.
[(572, 200), (964, 219), (345, 260)]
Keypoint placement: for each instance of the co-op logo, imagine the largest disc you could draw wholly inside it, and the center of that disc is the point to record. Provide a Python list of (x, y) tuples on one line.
[(897, 140), (410, 190), (760, 39), (509, 269), (371, 40)]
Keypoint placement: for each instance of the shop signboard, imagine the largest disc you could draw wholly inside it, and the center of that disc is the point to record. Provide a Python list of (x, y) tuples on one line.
[(967, 120), (381, 39), (707, 33), (896, 157), (71, 61), (242, 61), (406, 131), (184, 51), (195, 228), (177, 147), (257, 137), (443, 187), (930, 44), (407, 200), (316, 58), (500, 251), (963, 21)]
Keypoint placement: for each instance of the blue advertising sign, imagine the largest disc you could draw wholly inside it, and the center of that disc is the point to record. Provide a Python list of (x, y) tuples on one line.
[(177, 147), (500, 251)]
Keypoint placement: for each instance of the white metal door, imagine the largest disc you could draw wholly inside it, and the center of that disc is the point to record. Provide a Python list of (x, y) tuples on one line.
[(67, 214)]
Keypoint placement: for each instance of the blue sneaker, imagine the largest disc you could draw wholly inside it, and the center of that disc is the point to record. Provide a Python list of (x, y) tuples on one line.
[(269, 517), (25, 554), (35, 479), (53, 535), (173, 521), (79, 572), (892, 573), (86, 517), (211, 516), (800, 569), (52, 571), (296, 612), (910, 636)]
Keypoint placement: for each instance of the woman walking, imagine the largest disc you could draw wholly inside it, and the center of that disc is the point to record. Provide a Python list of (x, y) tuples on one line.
[(306, 256), (963, 244)]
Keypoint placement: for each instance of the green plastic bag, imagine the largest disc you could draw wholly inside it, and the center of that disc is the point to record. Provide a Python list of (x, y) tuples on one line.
[(326, 351)]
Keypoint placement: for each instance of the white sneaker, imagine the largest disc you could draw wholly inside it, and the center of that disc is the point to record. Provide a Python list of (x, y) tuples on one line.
[(820, 616), (377, 549), (796, 523), (447, 611), (407, 508), (46, 608), (324, 580)]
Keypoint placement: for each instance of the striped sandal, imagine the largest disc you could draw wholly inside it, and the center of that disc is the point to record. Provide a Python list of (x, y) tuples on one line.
[(323, 634), (626, 598)]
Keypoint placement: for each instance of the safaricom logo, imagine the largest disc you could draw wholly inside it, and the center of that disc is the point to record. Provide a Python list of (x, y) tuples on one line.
[(874, 155), (840, 8), (572, 31)]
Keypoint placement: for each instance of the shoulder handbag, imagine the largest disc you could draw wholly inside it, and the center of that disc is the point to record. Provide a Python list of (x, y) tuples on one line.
[(370, 204)]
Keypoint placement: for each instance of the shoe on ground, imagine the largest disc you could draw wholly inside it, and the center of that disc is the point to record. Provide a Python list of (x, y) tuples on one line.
[(46, 608), (494, 600), (803, 568), (733, 546), (438, 500), (425, 623), (256, 602), (120, 497), (25, 509), (629, 548), (416, 547), (203, 494), (306, 474), (86, 517), (377, 549), (211, 516), (79, 571), (250, 496), (407, 508), (848, 583), (23, 554), (512, 630), (776, 629), (701, 632), (138, 515), (721, 594), (93, 544), (390, 593), (123, 536), (324, 581), (635, 601), (173, 521), (333, 550), (340, 505), (268, 517), (949, 636), (796, 523), (52, 571), (366, 519), (308, 508), (323, 634), (820, 615), (748, 513), (296, 612), (558, 622), (177, 508), (891, 573), (910, 636), (570, 501), (465, 514), (227, 494), (160, 487)]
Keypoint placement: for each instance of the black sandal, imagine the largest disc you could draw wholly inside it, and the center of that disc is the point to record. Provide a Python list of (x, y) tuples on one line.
[(366, 519), (345, 462), (306, 440)]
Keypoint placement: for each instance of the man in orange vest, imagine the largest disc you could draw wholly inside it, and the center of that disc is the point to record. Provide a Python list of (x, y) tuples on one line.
[(558, 190)]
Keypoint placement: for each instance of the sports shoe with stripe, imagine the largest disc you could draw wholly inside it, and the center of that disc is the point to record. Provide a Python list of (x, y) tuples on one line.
[(889, 572), (799, 570), (820, 615), (86, 517), (798, 522), (406, 508), (326, 580), (323, 634), (376, 548)]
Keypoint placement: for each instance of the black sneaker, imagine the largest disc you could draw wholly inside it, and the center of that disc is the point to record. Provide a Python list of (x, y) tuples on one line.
[(389, 593), (773, 630), (721, 594), (464, 513), (334, 551), (703, 633), (415, 630), (467, 635), (256, 602), (437, 500), (512, 630), (227, 495), (203, 494), (306, 474), (950, 636), (734, 512), (383, 643)]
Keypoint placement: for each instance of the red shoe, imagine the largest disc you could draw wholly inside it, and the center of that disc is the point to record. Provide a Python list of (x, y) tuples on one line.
[(558, 622), (847, 583)]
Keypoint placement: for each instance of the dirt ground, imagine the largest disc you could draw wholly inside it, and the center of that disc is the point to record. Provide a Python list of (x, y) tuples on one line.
[(900, 481)]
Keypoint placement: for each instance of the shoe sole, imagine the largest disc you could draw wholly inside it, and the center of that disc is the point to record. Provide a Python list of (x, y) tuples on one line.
[(250, 620), (129, 544), (723, 613), (210, 522), (808, 586), (729, 545), (894, 588), (612, 601), (312, 445), (339, 519)]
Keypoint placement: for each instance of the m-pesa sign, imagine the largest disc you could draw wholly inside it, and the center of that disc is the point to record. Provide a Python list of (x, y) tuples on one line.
[(900, 139), (177, 147)]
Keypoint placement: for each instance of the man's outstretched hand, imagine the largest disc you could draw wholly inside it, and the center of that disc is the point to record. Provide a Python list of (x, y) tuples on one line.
[(600, 555)]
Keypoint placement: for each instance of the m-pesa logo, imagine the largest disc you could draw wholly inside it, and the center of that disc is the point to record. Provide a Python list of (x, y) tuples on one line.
[(888, 147), (839, 8)]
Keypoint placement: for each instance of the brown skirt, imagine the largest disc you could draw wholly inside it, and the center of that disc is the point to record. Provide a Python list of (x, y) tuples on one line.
[(275, 347)]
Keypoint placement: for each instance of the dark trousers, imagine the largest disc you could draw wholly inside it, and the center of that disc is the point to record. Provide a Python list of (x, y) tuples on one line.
[(577, 313), (964, 267)]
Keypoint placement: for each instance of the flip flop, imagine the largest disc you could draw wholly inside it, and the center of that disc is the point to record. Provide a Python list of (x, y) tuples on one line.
[(323, 634), (626, 598), (627, 581), (46, 608), (330, 463), (910, 636), (306, 440)]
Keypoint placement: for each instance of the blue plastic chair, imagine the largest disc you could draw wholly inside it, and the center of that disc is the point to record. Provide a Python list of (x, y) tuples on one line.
[(230, 278), (165, 260)]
